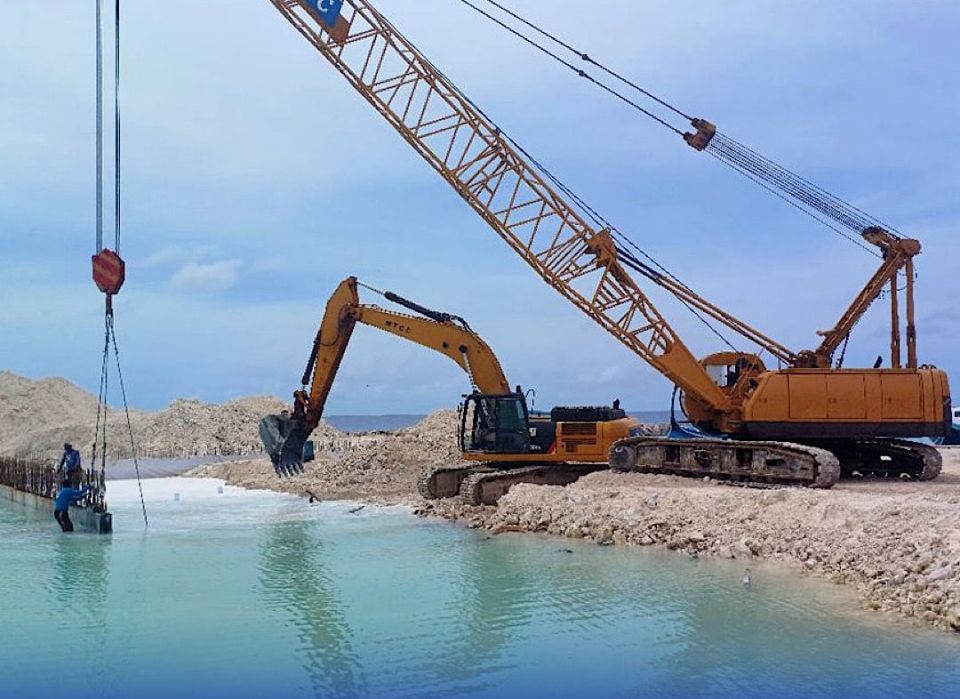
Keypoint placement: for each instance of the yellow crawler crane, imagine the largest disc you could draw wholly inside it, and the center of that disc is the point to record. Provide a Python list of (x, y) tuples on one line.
[(502, 442), (798, 424)]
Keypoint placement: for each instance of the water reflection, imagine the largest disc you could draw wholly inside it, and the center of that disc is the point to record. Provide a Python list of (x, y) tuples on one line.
[(80, 576), (79, 587), (494, 597), (293, 578), (728, 639)]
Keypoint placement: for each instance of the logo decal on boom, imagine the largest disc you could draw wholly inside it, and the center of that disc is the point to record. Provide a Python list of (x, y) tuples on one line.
[(328, 10)]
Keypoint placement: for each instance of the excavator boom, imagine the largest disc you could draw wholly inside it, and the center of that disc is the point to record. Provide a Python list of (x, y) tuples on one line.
[(284, 436)]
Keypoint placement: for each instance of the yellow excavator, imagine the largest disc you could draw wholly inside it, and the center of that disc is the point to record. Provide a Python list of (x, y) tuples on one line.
[(501, 440), (799, 423)]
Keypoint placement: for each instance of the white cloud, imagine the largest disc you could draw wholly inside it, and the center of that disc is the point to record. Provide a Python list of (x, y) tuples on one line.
[(177, 253), (215, 276)]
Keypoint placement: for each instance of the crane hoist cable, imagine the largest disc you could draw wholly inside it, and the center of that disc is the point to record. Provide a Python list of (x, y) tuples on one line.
[(593, 215), (793, 188), (109, 270), (99, 129), (582, 73)]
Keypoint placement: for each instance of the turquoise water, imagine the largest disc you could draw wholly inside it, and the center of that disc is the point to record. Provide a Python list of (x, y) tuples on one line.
[(252, 595)]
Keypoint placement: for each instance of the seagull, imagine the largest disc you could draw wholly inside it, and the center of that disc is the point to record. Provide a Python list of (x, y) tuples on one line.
[(746, 579)]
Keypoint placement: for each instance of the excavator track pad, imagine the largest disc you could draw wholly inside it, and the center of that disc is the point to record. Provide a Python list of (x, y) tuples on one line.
[(444, 482), (487, 487), (484, 484)]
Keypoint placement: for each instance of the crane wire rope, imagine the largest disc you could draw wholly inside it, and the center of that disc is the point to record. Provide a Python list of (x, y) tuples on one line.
[(99, 129), (591, 213), (582, 73), (116, 122), (808, 197), (110, 337), (102, 409), (586, 57)]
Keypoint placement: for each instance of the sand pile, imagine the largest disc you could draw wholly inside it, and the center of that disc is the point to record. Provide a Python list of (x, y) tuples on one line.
[(381, 467), (431, 441), (24, 402), (37, 417), (192, 428)]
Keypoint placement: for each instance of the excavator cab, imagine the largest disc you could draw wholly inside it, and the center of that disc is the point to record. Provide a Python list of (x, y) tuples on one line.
[(495, 424)]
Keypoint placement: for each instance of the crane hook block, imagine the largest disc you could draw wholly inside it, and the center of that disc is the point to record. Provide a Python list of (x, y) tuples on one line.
[(703, 136), (109, 271)]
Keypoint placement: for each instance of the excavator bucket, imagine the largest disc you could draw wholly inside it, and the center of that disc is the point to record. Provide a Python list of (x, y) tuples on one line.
[(283, 439)]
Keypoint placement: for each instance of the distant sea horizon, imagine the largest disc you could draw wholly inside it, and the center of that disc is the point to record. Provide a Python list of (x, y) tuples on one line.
[(399, 421)]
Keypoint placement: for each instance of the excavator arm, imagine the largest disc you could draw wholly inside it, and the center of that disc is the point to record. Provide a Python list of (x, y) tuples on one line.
[(284, 435)]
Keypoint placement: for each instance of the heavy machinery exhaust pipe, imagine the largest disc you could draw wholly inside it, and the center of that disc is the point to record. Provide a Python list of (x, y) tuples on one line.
[(283, 437)]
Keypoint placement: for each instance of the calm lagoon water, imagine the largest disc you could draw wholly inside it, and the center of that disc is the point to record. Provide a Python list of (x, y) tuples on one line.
[(242, 594)]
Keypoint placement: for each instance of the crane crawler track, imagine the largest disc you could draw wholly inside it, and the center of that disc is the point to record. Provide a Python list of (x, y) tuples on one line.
[(886, 457), (727, 459)]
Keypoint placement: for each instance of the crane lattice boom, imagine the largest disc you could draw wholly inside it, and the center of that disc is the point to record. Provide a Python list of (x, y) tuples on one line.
[(466, 149)]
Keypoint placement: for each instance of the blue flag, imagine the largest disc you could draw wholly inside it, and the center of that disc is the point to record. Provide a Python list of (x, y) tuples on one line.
[(329, 10)]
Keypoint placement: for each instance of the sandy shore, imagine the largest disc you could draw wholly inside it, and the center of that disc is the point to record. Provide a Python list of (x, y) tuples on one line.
[(897, 542)]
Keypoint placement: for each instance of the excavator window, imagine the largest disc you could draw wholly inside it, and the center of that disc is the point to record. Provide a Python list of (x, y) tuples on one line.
[(495, 424)]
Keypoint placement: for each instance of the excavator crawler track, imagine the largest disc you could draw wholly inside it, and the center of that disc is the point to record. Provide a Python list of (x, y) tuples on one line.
[(728, 459), (487, 487), (886, 457), (444, 482)]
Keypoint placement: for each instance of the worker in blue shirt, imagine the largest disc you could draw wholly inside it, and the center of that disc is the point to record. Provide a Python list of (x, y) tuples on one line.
[(67, 496), (70, 465)]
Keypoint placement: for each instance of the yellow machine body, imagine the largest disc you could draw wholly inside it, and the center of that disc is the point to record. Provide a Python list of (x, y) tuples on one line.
[(570, 442), (858, 403)]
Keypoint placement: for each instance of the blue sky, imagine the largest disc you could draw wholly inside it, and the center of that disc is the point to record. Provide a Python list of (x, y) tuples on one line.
[(255, 179)]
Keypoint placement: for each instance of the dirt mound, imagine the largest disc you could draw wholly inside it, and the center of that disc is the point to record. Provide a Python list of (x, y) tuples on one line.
[(26, 405), (383, 466), (37, 417), (397, 461), (192, 428)]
